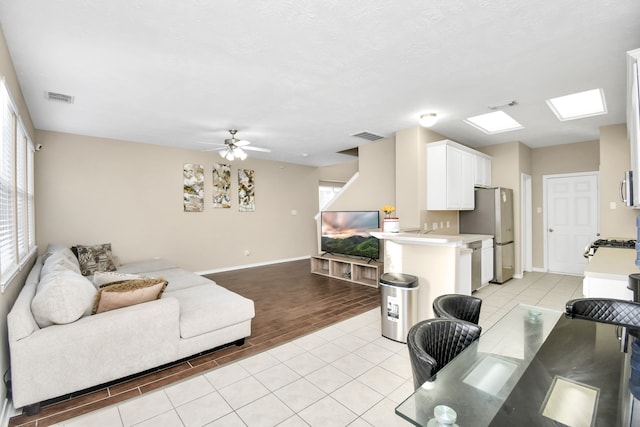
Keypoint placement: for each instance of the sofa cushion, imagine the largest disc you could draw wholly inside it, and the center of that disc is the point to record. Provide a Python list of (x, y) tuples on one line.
[(103, 278), (128, 292), (145, 266), (58, 261), (95, 258), (209, 307), (62, 297), (54, 248)]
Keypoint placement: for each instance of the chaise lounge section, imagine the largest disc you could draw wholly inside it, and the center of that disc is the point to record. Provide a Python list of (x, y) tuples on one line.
[(53, 355)]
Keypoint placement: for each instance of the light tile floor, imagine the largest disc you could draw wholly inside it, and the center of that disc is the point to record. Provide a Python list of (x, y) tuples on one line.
[(344, 375)]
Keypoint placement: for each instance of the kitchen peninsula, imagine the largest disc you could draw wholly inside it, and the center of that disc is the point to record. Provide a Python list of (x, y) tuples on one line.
[(442, 263)]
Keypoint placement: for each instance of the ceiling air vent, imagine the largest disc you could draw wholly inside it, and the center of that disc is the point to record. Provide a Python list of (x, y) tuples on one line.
[(59, 97), (368, 136)]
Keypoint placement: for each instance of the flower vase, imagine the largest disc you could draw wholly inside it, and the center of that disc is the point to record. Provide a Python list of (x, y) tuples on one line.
[(391, 225)]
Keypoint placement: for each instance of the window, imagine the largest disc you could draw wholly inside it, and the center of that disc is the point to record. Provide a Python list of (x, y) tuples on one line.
[(327, 191), (17, 234)]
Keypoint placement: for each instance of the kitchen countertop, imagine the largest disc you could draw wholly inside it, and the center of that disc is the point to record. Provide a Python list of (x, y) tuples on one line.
[(612, 263), (419, 238)]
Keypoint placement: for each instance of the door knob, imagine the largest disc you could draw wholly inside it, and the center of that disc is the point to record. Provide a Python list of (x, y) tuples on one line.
[(551, 230)]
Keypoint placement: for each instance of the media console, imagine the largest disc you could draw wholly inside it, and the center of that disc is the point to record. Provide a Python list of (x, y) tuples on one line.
[(350, 269)]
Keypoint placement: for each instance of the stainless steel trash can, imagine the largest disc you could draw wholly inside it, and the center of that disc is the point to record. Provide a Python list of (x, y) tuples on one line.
[(399, 293)]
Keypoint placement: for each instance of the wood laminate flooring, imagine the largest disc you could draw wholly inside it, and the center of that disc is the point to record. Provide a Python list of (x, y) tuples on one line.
[(289, 302)]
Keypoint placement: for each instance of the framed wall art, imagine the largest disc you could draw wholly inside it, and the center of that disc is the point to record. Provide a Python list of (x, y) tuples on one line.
[(221, 186), (193, 184), (246, 190)]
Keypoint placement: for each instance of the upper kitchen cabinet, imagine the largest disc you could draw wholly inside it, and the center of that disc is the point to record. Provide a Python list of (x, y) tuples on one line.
[(482, 170), (453, 171)]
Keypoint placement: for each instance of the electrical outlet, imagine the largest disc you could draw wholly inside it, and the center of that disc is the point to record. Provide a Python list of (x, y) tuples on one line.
[(434, 226), (448, 224)]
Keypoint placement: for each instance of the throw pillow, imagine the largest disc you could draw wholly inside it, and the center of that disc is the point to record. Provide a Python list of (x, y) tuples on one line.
[(103, 278), (62, 297), (129, 292), (58, 261), (95, 258)]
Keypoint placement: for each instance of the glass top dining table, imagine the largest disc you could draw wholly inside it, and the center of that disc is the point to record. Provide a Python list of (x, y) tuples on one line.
[(533, 367)]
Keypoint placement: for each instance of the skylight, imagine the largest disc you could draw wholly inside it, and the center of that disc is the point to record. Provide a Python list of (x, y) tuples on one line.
[(578, 105), (495, 122)]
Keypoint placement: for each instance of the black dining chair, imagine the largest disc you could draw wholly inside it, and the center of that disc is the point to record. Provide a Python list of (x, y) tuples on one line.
[(605, 310), (458, 306), (435, 342)]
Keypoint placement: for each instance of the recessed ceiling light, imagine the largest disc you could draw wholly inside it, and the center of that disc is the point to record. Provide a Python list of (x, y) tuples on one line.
[(495, 122), (578, 105)]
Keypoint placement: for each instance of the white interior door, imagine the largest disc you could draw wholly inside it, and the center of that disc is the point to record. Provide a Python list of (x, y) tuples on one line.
[(526, 222), (571, 220)]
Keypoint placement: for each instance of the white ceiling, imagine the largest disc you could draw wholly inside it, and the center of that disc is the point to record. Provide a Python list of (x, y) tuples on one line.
[(302, 76)]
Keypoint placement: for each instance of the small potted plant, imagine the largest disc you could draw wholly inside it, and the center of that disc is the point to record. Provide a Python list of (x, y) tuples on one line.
[(390, 224)]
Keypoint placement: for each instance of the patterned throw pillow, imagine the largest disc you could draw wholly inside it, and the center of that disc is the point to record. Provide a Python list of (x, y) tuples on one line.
[(129, 292), (95, 258)]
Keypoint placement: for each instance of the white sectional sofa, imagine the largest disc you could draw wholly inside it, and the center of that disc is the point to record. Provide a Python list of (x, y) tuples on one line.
[(57, 355)]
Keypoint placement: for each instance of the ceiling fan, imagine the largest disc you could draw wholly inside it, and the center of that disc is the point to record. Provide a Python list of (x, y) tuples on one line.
[(233, 148)]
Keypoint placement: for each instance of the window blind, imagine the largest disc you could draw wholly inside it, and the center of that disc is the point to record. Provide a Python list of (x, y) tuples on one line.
[(17, 215), (8, 255), (21, 192)]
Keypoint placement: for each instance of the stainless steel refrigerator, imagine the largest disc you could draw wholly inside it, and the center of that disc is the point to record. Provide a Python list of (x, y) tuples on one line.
[(493, 214)]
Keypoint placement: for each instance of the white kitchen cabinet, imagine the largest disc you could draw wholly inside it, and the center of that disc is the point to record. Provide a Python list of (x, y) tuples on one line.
[(450, 176), (598, 287), (482, 170), (486, 262)]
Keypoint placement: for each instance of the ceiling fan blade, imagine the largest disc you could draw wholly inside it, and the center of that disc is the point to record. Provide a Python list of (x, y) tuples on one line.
[(241, 143), (252, 148)]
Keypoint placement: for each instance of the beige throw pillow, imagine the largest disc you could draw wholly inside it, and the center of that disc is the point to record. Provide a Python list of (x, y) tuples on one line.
[(129, 292)]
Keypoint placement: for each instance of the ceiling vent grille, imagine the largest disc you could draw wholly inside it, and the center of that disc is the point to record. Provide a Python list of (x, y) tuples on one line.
[(59, 97), (368, 136)]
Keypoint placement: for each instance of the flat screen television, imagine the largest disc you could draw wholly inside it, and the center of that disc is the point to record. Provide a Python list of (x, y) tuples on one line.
[(347, 233)]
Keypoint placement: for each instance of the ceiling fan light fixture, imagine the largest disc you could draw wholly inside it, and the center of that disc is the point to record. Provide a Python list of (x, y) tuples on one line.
[(239, 153), (429, 119)]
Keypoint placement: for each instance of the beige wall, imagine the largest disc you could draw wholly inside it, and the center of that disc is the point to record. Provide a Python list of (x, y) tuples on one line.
[(616, 220), (559, 159), (374, 186), (411, 181), (92, 190)]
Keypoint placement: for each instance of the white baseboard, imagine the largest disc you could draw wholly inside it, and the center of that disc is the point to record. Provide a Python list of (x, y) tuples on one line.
[(539, 270), (8, 411), (240, 267)]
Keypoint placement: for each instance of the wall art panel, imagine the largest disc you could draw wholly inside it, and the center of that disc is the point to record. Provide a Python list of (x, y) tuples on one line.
[(246, 190), (221, 186), (193, 179)]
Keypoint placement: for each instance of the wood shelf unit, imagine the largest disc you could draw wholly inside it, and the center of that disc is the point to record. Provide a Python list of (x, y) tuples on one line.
[(350, 269)]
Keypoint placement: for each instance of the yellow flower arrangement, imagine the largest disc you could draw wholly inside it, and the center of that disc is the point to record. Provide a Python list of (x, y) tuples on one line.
[(388, 209)]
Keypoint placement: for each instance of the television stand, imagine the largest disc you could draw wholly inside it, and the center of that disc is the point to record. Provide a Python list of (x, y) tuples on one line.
[(363, 272)]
